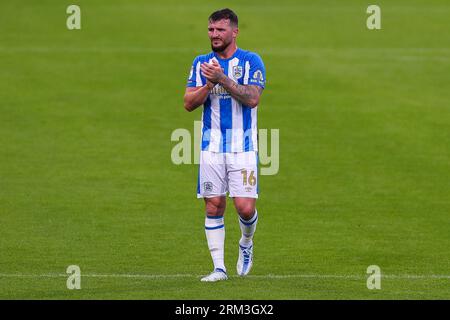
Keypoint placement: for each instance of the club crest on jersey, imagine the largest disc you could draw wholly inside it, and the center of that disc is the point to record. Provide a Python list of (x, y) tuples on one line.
[(237, 72)]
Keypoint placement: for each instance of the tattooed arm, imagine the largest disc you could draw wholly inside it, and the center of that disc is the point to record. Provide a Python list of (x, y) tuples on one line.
[(246, 94)]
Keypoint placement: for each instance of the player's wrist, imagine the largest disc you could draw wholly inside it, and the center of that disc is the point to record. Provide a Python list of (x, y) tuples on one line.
[(222, 79)]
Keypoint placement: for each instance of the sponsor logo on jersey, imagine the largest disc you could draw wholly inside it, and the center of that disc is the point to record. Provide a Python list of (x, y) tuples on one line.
[(218, 90), (258, 76)]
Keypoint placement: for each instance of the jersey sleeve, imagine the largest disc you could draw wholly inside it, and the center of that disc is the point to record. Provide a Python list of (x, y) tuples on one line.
[(255, 72), (195, 79)]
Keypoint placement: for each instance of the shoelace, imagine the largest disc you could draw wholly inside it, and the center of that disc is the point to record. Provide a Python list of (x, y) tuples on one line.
[(246, 253)]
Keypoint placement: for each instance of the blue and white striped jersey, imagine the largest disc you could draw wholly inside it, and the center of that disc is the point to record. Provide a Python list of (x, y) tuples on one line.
[(228, 125)]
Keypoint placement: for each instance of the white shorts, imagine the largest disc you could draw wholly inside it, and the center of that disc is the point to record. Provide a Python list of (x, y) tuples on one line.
[(234, 172)]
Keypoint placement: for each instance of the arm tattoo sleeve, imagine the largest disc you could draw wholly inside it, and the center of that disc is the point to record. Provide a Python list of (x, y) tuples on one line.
[(246, 94)]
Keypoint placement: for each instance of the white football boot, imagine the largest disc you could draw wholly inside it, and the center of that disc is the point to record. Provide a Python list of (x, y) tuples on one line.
[(245, 260), (216, 275)]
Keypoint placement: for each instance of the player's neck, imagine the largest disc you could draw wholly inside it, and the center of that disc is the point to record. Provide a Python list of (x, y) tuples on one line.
[(228, 52)]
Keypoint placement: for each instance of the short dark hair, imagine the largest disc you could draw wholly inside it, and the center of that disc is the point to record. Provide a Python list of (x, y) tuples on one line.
[(224, 14)]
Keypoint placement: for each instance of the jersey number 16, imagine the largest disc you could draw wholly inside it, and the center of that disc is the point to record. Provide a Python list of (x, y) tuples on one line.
[(246, 179)]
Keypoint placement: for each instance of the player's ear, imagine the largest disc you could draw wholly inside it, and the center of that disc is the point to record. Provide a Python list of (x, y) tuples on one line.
[(235, 32)]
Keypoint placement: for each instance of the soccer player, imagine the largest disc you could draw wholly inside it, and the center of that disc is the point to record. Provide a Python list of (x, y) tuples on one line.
[(228, 82)]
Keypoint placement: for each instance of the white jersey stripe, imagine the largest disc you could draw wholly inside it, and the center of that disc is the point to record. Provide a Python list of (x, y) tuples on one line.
[(198, 78), (216, 134), (247, 72), (254, 128), (236, 109)]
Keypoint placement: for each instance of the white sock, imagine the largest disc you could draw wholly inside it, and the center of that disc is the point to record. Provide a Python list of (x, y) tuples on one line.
[(248, 228), (215, 235)]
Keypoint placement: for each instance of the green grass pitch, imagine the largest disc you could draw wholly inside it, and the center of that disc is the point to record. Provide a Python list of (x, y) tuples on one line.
[(86, 176)]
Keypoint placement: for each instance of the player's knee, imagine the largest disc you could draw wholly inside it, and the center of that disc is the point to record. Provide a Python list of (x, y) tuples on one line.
[(215, 211), (215, 208), (246, 211)]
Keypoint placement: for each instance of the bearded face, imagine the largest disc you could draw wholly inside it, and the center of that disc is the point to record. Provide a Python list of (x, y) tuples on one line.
[(221, 34)]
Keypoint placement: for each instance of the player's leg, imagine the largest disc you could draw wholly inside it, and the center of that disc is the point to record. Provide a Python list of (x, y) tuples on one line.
[(215, 236), (243, 185), (212, 187), (248, 219)]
